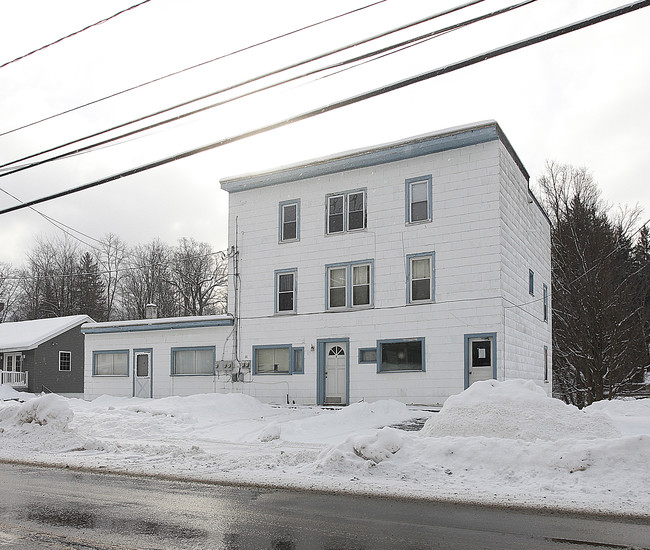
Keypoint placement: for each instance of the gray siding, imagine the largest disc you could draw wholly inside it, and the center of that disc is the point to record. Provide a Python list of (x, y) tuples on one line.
[(43, 365)]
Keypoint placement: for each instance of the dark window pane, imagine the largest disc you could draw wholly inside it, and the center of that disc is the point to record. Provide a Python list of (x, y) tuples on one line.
[(369, 356), (356, 220), (481, 354), (337, 297), (356, 211), (285, 282), (290, 213), (421, 289), (419, 211), (335, 224), (361, 295), (285, 301), (336, 205), (397, 356), (142, 365), (289, 231)]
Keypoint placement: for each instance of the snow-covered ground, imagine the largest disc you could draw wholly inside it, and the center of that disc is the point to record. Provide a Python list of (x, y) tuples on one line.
[(497, 442)]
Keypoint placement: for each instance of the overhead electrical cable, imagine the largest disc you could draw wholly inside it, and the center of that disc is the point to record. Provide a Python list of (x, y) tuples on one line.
[(387, 50), (73, 34), (491, 54), (158, 79)]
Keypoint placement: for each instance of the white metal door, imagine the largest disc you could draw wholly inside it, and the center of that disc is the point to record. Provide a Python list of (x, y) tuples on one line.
[(142, 374), (481, 359), (335, 373)]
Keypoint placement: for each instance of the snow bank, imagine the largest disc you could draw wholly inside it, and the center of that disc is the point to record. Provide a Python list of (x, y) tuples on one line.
[(47, 410), (8, 392), (515, 409)]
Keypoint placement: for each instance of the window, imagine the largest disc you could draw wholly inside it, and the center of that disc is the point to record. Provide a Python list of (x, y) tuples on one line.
[(531, 282), (346, 212), (419, 200), (420, 270), (545, 363), (545, 290), (285, 291), (367, 355), (289, 224), (65, 360), (278, 359), (400, 355), (193, 361), (349, 285), (298, 361), (111, 363)]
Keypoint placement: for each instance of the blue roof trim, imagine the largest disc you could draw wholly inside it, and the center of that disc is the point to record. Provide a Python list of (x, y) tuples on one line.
[(381, 154), (159, 326)]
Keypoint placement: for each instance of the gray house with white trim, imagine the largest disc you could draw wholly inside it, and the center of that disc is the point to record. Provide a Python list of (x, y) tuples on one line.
[(44, 355)]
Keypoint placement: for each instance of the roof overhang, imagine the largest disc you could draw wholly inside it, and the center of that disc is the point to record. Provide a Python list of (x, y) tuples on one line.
[(170, 323), (436, 142)]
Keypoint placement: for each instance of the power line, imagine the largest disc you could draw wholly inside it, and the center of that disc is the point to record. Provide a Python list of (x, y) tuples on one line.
[(73, 34), (371, 56), (158, 79), (243, 83), (352, 100)]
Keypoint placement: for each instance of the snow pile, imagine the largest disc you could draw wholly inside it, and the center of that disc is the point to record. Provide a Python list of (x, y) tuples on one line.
[(47, 410), (7, 392), (515, 409), (497, 442)]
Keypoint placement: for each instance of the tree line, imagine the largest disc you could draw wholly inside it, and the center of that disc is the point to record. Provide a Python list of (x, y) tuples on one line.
[(114, 281), (600, 290)]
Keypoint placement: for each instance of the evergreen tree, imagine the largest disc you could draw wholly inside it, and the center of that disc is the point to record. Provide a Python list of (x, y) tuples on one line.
[(89, 295)]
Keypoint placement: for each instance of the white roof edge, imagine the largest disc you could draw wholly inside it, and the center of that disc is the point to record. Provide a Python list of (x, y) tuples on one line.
[(157, 321), (353, 152)]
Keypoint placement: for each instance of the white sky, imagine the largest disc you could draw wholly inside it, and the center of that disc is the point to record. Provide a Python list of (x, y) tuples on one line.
[(503, 443), (579, 99)]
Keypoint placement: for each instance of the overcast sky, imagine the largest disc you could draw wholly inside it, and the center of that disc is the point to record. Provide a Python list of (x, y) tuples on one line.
[(580, 99)]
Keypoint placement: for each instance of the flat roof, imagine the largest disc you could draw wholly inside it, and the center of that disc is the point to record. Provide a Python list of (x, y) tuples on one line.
[(165, 323), (425, 144)]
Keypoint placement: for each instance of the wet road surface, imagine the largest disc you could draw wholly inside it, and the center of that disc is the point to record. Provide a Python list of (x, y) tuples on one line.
[(55, 509)]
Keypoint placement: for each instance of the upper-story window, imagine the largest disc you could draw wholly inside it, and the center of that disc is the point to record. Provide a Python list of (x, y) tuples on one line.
[(545, 305), (289, 221), (531, 282), (349, 285), (285, 291), (420, 277), (419, 201), (346, 212)]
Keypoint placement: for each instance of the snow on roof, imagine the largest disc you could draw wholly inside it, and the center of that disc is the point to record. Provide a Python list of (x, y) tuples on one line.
[(24, 335), (158, 323)]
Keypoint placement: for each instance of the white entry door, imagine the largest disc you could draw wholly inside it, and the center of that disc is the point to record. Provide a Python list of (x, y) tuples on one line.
[(481, 359), (336, 373), (142, 374)]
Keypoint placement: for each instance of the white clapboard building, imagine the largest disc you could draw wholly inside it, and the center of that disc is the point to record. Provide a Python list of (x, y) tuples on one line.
[(402, 271)]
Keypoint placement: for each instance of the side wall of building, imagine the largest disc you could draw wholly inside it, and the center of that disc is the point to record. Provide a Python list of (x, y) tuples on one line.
[(526, 279)]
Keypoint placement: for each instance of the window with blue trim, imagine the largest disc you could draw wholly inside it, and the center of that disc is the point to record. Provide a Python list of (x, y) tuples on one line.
[(419, 199), (367, 355), (346, 212), (193, 361), (278, 359), (289, 221), (399, 355), (420, 276), (531, 282), (545, 306), (285, 291), (349, 285), (111, 363)]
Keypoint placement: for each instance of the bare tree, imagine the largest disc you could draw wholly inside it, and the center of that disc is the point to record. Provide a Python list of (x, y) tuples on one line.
[(146, 281), (200, 277), (598, 345), (9, 290), (111, 258)]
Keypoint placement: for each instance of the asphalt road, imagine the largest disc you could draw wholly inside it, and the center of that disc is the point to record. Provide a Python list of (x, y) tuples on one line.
[(56, 509)]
